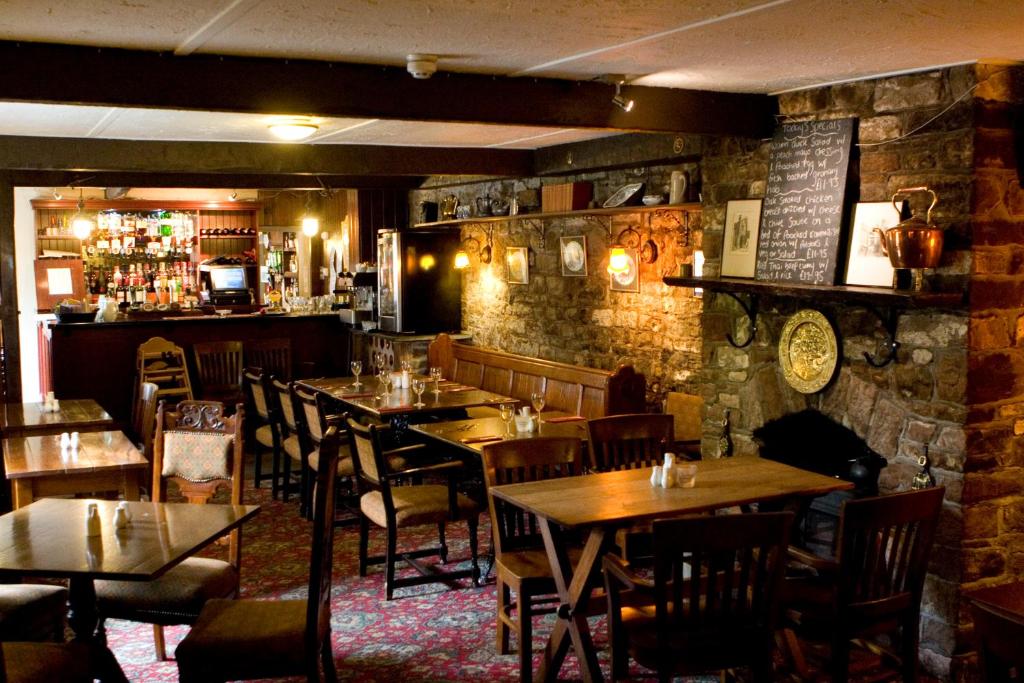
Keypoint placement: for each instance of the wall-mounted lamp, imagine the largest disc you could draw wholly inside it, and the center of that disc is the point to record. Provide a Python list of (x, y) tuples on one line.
[(461, 260), (618, 259), (310, 223), (462, 255), (81, 227)]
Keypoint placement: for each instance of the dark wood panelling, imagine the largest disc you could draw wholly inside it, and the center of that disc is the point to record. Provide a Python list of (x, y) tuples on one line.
[(379, 209), (9, 293)]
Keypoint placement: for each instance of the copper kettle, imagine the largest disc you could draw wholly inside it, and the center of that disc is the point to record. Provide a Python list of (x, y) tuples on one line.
[(914, 243)]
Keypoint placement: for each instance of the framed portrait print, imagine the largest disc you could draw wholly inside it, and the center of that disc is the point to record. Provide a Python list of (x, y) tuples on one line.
[(866, 263), (574, 255), (628, 280), (739, 244), (517, 260)]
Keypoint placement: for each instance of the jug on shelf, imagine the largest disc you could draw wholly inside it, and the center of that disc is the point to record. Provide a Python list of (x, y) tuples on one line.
[(483, 206), (915, 242), (448, 206)]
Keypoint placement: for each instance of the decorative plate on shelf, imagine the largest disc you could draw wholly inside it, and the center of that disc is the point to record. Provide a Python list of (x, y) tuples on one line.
[(623, 195), (808, 351)]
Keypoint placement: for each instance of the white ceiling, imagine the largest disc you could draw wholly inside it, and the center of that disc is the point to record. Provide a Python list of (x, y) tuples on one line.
[(731, 45)]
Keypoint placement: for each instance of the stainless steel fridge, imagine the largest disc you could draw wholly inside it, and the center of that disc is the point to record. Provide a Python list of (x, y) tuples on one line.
[(419, 289)]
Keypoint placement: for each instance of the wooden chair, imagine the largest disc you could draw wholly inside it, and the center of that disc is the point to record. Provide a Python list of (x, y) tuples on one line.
[(687, 415), (622, 442), (29, 662), (521, 563), (395, 507), (246, 639), (179, 595), (872, 586), (290, 429), (713, 602), (219, 371), (163, 363), (1000, 635), (32, 612), (310, 423), (272, 356), (266, 431)]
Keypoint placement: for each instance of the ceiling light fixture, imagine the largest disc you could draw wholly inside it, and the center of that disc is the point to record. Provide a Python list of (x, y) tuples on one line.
[(81, 227), (310, 223), (293, 128), (621, 102), (421, 66)]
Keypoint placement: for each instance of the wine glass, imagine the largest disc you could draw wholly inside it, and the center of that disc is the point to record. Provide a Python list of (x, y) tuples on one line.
[(435, 374), (507, 412), (418, 385), (378, 361), (357, 367), (537, 399), (385, 383)]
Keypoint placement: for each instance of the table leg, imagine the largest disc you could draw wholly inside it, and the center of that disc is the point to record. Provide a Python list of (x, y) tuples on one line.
[(574, 590), (131, 484), (83, 619), (22, 492)]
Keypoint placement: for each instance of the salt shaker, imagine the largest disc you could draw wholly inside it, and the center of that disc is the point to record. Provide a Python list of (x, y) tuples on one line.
[(656, 476), (92, 520), (74, 440), (65, 441), (120, 518), (668, 471), (123, 505)]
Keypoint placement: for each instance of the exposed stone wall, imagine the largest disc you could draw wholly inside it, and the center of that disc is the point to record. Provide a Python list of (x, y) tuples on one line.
[(578, 319), (916, 402), (994, 484)]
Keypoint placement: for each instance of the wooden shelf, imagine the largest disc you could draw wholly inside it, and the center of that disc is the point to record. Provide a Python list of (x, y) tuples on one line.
[(691, 207), (871, 296), (228, 237), (145, 205)]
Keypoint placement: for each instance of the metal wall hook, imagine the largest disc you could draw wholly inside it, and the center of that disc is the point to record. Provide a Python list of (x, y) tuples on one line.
[(751, 312)]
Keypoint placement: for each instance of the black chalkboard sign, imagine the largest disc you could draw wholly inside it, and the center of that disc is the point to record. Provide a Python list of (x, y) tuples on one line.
[(802, 214)]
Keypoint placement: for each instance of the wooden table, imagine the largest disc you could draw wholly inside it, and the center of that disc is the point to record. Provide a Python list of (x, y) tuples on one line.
[(47, 539), (456, 433), (74, 415), (1008, 597), (606, 501), (104, 461), (400, 402)]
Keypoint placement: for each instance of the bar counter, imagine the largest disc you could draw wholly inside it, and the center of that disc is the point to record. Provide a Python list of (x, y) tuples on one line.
[(97, 360)]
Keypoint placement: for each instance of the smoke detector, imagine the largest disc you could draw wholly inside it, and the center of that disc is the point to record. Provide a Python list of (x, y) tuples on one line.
[(421, 66)]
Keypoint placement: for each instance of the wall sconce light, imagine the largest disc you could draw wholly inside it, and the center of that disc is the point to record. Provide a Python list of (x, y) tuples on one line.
[(461, 260), (81, 227), (618, 260), (485, 252)]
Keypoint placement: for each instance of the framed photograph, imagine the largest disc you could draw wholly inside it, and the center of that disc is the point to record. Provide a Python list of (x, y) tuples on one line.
[(739, 245), (628, 281), (574, 255), (866, 263), (517, 260)]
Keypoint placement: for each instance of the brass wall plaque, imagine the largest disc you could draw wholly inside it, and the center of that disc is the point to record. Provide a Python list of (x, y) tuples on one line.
[(808, 351)]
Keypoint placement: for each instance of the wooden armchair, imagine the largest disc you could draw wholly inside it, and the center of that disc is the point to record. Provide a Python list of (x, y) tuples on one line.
[(520, 561), (246, 639), (266, 431), (872, 586), (272, 356), (623, 442), (394, 507), (713, 602), (201, 451), (219, 370)]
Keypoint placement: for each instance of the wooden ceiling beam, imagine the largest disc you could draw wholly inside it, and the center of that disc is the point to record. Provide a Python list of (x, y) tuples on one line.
[(255, 181), (38, 72)]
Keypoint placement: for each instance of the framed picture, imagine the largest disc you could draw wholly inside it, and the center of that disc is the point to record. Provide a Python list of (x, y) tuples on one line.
[(574, 255), (739, 245), (629, 280), (866, 263), (517, 260)]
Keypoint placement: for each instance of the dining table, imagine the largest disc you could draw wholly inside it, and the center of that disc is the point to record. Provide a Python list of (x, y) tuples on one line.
[(72, 415), (603, 502), (472, 434), (39, 466), (48, 539)]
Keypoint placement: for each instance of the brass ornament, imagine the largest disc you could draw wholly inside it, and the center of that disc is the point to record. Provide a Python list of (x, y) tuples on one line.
[(808, 351)]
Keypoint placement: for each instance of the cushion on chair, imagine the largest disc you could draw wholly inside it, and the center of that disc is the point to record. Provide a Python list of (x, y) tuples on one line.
[(197, 456), (37, 662), (32, 612), (174, 598), (265, 435), (292, 448), (243, 639), (415, 505), (345, 467)]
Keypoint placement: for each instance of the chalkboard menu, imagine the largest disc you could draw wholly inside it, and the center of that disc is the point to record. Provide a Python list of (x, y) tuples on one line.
[(802, 214)]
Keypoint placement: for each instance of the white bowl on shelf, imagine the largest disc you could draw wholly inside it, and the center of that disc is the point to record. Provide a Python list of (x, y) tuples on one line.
[(652, 199), (223, 312)]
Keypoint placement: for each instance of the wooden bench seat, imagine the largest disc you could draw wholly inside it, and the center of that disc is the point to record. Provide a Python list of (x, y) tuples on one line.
[(570, 388)]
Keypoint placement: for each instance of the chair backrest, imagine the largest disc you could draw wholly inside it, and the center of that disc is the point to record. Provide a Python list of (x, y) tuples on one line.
[(156, 347), (687, 415), (623, 442), (1000, 635), (258, 391), (720, 573), (285, 403), (321, 557), (198, 433), (146, 423), (219, 365), (272, 356), (308, 418), (368, 461), (516, 461), (882, 550)]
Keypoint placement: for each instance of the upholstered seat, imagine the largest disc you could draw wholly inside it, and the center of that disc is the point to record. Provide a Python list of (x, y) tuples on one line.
[(345, 467), (265, 436), (32, 612), (37, 662), (293, 448), (415, 505), (182, 590)]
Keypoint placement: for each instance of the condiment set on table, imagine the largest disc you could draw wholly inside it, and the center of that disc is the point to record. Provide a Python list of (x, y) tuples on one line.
[(671, 474), (50, 404)]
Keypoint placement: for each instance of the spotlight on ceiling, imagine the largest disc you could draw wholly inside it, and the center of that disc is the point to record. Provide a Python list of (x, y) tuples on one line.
[(421, 66), (621, 102), (293, 128)]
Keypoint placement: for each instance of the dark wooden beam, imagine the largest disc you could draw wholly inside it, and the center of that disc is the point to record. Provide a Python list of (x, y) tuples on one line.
[(9, 295), (255, 181), (620, 151), (38, 72), (86, 155)]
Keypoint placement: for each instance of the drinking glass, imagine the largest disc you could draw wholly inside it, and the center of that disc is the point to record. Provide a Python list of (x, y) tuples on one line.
[(537, 399), (418, 385), (385, 383), (357, 367), (435, 374), (378, 361), (507, 412)]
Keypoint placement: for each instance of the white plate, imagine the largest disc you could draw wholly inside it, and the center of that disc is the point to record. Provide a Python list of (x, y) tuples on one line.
[(622, 195)]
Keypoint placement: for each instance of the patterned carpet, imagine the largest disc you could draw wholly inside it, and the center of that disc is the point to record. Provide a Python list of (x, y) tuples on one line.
[(428, 633)]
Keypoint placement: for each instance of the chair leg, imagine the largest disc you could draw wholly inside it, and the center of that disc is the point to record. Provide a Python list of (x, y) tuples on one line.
[(158, 643), (524, 636), (364, 542), (327, 657), (474, 551), (257, 469), (442, 544), (840, 656), (504, 595), (275, 471), (286, 479), (909, 641), (389, 564)]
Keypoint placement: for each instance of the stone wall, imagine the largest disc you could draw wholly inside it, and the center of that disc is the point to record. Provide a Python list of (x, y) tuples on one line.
[(994, 485), (915, 403), (578, 319)]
